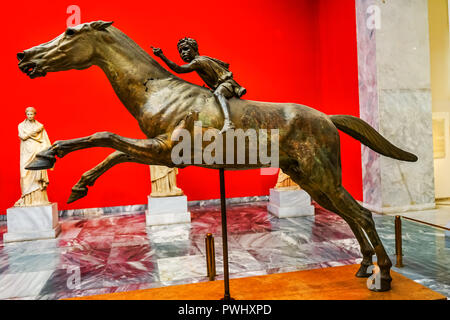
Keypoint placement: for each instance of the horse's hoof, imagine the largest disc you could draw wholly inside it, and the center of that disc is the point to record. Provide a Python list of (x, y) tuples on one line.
[(77, 194), (43, 160), (382, 286), (362, 272)]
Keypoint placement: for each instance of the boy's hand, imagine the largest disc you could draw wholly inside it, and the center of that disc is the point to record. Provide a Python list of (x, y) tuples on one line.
[(157, 52)]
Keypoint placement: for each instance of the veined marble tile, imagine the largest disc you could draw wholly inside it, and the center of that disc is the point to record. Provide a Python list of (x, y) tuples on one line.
[(318, 234), (320, 252), (260, 240), (176, 249), (124, 254), (177, 268), (185, 281), (348, 246), (69, 234), (239, 261), (137, 228), (287, 224), (169, 233), (73, 278), (304, 254), (312, 266), (25, 284), (88, 242), (73, 294), (280, 257), (104, 230), (98, 291), (32, 263), (133, 272), (85, 258), (130, 240)]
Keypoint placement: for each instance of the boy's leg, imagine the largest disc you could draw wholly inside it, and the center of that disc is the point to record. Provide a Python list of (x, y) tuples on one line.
[(221, 93)]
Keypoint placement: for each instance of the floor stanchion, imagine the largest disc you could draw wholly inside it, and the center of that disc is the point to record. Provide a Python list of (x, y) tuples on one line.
[(398, 242), (223, 210)]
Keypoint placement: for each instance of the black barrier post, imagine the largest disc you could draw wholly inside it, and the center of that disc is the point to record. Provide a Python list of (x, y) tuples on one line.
[(398, 242), (223, 208)]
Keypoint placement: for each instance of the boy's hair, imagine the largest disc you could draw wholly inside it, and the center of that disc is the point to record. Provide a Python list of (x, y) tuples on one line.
[(190, 42)]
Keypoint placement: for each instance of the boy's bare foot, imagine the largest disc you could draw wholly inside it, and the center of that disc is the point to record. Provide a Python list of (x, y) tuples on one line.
[(228, 124)]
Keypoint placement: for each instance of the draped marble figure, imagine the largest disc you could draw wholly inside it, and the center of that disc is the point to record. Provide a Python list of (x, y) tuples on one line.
[(33, 139), (164, 182)]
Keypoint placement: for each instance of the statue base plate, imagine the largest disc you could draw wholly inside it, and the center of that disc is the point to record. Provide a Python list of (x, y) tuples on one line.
[(32, 223), (167, 210), (290, 203)]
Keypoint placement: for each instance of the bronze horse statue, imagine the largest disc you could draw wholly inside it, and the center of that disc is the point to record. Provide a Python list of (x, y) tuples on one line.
[(309, 145)]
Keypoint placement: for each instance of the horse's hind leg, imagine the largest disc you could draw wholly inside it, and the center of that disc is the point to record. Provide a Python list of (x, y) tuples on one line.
[(351, 209), (365, 247)]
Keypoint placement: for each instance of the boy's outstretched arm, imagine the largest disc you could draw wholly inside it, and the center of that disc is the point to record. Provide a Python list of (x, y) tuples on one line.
[(172, 65)]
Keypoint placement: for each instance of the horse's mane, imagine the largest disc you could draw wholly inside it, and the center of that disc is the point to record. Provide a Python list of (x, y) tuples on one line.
[(140, 53)]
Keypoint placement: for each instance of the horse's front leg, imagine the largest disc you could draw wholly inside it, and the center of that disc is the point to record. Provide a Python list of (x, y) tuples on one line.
[(151, 150), (80, 189)]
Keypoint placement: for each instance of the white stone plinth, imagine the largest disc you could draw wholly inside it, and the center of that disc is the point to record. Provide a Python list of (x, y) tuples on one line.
[(167, 210), (290, 203), (32, 223)]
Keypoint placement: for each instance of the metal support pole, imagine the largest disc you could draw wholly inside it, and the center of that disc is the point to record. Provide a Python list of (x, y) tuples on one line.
[(398, 242), (223, 210), (210, 257)]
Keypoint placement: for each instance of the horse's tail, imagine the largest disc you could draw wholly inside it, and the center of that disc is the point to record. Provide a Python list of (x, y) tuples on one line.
[(368, 136)]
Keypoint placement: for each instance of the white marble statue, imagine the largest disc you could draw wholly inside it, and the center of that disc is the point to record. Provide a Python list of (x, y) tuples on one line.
[(164, 182), (167, 203), (287, 199), (34, 139)]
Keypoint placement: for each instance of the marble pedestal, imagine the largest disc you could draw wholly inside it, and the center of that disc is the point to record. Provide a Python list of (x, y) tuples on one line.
[(32, 223), (167, 210), (290, 203)]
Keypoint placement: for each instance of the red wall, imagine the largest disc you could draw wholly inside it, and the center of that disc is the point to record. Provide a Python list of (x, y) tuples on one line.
[(338, 80), (301, 51)]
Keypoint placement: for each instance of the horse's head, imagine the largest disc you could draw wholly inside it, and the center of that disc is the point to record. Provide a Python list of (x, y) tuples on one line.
[(74, 49)]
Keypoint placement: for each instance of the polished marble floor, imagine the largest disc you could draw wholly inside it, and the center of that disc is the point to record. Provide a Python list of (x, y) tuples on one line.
[(439, 216), (118, 253)]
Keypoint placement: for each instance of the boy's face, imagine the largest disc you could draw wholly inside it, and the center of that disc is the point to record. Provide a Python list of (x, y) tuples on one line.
[(30, 115), (186, 53)]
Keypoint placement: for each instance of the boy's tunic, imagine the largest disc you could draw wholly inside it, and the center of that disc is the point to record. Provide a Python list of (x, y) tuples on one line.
[(215, 73)]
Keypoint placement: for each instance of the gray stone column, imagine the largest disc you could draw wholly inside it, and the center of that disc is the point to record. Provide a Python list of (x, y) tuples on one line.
[(395, 98)]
